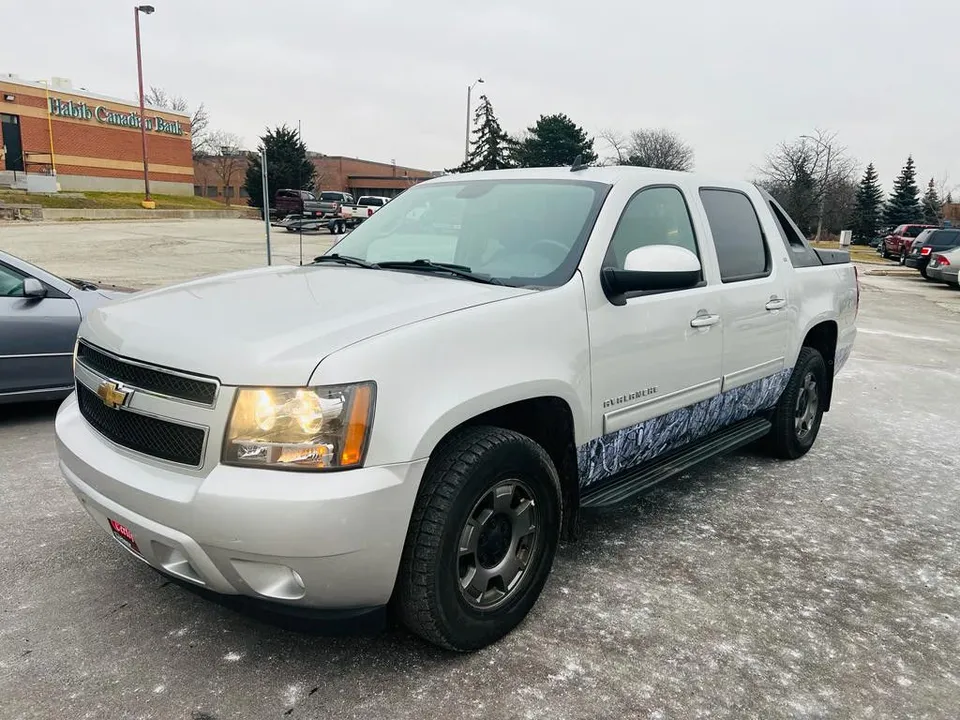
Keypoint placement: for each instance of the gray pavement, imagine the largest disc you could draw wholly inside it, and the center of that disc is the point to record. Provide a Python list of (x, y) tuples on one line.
[(823, 588), (158, 252)]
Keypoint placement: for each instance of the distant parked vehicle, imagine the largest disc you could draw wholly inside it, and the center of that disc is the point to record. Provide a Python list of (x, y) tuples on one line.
[(902, 237), (938, 241), (366, 206), (294, 202), (920, 239), (39, 317), (945, 267)]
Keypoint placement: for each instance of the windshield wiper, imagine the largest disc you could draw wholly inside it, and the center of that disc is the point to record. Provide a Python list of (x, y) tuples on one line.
[(430, 266), (344, 260)]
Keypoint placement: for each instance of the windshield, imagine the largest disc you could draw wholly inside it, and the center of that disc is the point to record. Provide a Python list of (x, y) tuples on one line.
[(520, 232)]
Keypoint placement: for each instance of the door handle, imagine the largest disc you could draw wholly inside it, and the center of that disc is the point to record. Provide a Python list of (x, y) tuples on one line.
[(776, 303), (704, 319)]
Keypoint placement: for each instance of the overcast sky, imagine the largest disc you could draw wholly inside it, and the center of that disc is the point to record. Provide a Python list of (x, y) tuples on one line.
[(385, 79)]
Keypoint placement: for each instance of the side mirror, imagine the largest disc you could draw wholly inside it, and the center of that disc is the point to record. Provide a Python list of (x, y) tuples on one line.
[(33, 288), (650, 269)]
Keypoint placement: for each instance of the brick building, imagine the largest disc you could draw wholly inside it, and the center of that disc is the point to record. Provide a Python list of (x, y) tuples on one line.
[(92, 142), (221, 178)]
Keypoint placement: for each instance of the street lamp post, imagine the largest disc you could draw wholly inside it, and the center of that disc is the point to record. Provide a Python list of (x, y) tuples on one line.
[(826, 177), (146, 10), (466, 143)]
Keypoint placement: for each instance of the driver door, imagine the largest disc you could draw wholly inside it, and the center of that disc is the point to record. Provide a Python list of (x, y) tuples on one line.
[(658, 355)]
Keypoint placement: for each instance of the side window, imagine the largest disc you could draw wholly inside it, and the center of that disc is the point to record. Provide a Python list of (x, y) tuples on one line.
[(741, 250), (655, 216), (11, 282)]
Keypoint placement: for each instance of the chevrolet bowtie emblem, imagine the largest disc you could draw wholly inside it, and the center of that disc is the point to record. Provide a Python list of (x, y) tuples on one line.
[(113, 395)]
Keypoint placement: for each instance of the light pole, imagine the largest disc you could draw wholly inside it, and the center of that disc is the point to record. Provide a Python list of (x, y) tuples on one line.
[(466, 143), (146, 10), (826, 177)]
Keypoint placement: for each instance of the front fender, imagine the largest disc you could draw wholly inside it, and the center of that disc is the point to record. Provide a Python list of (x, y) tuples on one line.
[(437, 374)]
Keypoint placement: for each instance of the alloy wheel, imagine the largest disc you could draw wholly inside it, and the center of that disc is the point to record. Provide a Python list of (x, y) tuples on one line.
[(808, 403), (498, 543)]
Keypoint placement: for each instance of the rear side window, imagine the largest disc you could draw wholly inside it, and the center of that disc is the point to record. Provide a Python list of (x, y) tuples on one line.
[(741, 250), (944, 238), (913, 231)]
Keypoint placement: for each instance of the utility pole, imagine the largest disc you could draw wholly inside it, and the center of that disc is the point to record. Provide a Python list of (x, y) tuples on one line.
[(146, 10), (266, 199), (466, 142)]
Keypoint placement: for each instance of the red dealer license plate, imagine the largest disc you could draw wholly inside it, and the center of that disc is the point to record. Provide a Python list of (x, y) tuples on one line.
[(123, 534)]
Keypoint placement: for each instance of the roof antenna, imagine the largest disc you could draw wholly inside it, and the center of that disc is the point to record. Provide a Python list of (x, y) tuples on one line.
[(578, 164)]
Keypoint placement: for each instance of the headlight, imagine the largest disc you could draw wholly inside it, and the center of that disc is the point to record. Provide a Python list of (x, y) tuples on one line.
[(300, 428)]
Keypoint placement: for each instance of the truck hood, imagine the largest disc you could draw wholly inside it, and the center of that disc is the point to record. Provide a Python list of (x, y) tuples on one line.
[(272, 326)]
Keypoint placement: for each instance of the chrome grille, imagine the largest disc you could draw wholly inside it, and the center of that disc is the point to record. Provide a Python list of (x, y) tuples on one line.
[(144, 434), (146, 378)]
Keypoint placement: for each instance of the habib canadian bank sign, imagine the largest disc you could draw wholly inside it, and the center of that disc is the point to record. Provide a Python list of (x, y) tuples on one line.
[(82, 111)]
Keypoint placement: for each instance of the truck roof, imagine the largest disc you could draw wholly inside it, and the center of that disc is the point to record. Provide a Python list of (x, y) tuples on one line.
[(609, 175)]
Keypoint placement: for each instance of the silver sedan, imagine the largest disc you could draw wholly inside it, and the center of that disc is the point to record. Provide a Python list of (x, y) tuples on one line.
[(945, 267), (39, 317)]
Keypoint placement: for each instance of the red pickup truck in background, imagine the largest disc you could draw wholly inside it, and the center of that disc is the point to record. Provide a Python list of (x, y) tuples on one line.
[(898, 243)]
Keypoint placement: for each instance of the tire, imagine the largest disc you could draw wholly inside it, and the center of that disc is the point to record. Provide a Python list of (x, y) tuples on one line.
[(883, 251), (903, 258), (499, 483), (791, 437), (923, 271)]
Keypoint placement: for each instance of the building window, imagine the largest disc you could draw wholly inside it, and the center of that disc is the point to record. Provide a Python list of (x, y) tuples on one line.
[(229, 191), (198, 190), (212, 191), (243, 192)]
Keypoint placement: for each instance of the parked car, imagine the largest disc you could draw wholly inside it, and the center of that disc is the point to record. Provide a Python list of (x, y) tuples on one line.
[(39, 317), (295, 202), (419, 415), (945, 267), (917, 242), (366, 206), (937, 241), (901, 240)]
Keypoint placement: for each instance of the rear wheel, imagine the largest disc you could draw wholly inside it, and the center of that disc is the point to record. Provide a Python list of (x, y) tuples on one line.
[(903, 258), (482, 539), (797, 417)]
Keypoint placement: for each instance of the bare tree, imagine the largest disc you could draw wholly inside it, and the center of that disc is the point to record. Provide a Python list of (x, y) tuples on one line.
[(227, 159), (618, 143), (658, 148), (199, 120), (808, 174)]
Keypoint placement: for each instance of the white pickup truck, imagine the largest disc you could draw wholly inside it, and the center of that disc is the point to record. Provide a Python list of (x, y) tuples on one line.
[(366, 206), (417, 418)]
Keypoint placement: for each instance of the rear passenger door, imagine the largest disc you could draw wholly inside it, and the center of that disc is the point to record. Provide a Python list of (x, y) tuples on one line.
[(754, 302)]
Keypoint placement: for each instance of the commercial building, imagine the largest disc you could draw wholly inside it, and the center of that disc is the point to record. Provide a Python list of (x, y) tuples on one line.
[(90, 141), (221, 178)]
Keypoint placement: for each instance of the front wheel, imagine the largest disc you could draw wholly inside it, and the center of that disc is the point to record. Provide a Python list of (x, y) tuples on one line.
[(903, 258), (797, 417), (482, 539)]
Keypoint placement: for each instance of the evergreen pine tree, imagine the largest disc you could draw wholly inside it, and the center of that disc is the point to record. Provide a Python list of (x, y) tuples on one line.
[(903, 205), (491, 147), (949, 199), (287, 165), (868, 207), (555, 141), (932, 207)]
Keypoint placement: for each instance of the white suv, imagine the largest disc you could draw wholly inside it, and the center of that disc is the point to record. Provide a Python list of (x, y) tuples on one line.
[(418, 416)]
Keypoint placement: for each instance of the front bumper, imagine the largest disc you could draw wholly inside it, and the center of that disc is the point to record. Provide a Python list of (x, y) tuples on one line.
[(316, 540)]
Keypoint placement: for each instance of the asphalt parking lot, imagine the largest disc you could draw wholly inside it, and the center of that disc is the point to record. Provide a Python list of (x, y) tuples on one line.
[(823, 588), (146, 254)]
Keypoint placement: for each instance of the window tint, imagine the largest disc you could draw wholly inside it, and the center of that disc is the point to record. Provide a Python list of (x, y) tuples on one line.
[(371, 201), (331, 197), (944, 238), (11, 282), (741, 250), (655, 216), (786, 228)]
